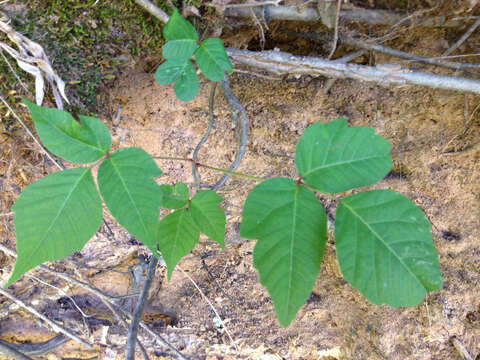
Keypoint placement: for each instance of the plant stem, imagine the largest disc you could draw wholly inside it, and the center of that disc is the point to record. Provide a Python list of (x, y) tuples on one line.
[(234, 173)]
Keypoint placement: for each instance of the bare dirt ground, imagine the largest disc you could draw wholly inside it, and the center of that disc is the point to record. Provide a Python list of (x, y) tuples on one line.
[(432, 134)]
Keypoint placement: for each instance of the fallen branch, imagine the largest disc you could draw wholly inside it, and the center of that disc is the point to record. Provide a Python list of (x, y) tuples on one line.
[(373, 17), (56, 327), (282, 63), (464, 37)]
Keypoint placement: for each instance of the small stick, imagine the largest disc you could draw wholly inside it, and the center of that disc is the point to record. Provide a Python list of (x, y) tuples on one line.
[(335, 34), (133, 330), (464, 37), (260, 29), (408, 56), (13, 70), (460, 348), (153, 9), (210, 304), (56, 327)]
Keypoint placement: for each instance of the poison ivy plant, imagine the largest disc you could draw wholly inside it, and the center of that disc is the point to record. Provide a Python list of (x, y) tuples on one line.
[(383, 240), (384, 245), (181, 45), (57, 215)]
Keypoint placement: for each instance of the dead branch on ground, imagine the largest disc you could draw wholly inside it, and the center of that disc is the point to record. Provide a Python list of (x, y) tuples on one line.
[(282, 63), (367, 16)]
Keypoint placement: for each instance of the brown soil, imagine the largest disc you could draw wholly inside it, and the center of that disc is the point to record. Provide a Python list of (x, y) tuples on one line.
[(432, 133)]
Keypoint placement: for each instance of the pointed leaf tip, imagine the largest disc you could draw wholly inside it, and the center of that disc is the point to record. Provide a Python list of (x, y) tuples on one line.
[(54, 217), (208, 216), (385, 248), (290, 224), (79, 143), (177, 236)]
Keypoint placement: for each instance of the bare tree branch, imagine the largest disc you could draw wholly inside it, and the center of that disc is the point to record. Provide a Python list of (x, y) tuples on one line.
[(282, 63), (374, 17), (153, 9)]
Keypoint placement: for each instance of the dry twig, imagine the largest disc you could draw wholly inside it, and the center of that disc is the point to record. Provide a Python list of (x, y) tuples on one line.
[(464, 37), (282, 63), (210, 304), (133, 329)]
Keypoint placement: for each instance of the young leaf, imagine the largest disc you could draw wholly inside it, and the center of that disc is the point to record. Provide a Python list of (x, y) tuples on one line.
[(174, 197), (186, 86), (131, 194), (64, 136), (385, 248), (54, 217), (212, 59), (180, 50), (208, 216), (178, 28), (177, 236), (291, 228), (169, 71), (335, 158)]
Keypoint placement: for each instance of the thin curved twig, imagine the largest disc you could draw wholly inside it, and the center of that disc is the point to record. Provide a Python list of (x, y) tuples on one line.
[(210, 304), (236, 108), (211, 124), (234, 303), (7, 349), (133, 330), (40, 348)]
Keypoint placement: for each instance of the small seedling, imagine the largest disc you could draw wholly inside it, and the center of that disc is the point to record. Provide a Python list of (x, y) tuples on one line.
[(182, 44)]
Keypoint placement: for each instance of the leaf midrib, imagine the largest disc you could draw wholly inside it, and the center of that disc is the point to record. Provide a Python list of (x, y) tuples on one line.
[(292, 237), (387, 246), (61, 131), (340, 163), (147, 232)]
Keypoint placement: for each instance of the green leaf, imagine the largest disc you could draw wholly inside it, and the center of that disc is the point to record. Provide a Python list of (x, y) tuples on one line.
[(186, 86), (385, 248), (127, 185), (291, 228), (54, 217), (180, 50), (208, 216), (169, 71), (335, 158), (177, 236), (212, 59), (64, 136), (179, 28), (174, 197)]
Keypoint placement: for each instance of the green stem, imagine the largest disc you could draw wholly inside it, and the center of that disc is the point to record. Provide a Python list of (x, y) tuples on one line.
[(234, 173), (324, 194)]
